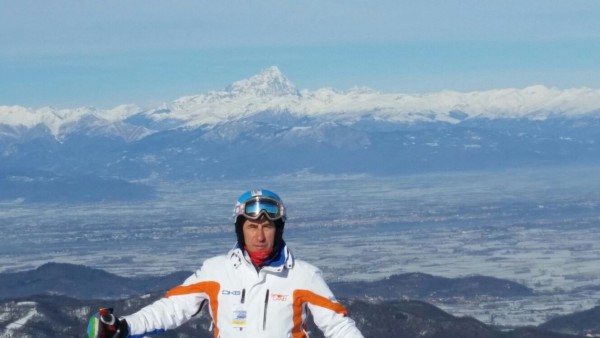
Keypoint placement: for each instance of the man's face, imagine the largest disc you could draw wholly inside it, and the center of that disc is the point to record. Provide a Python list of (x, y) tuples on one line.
[(259, 235)]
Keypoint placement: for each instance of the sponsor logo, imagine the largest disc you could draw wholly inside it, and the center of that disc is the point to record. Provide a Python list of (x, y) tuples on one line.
[(279, 297), (231, 293)]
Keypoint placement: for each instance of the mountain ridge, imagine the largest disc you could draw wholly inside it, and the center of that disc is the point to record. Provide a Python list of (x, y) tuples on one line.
[(79, 281), (271, 91), (52, 314)]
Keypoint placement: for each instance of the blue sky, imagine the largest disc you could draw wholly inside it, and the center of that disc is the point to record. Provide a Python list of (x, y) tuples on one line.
[(71, 53)]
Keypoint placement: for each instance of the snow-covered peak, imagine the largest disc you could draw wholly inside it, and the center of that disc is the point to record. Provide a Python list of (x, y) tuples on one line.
[(269, 82), (271, 91), (48, 116), (56, 119)]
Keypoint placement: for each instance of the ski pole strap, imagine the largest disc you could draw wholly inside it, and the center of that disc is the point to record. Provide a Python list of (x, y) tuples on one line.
[(104, 324)]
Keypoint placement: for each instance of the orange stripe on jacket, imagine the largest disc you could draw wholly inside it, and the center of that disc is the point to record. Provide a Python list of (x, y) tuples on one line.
[(209, 288), (305, 296)]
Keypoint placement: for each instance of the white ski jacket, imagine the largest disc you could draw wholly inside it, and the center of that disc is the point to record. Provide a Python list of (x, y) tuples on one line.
[(270, 303)]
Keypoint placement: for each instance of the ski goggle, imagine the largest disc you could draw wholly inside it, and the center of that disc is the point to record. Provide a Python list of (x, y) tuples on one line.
[(259, 206)]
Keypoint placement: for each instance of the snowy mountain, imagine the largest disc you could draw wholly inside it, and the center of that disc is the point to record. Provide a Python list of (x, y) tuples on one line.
[(270, 82), (264, 126), (271, 91)]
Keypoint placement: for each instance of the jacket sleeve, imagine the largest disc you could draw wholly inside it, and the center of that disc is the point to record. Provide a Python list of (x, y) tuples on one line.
[(328, 314), (175, 308)]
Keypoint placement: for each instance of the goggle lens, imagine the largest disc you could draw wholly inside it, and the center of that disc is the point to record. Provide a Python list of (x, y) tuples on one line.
[(270, 208)]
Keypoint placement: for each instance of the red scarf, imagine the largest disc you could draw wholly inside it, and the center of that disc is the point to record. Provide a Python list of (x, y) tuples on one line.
[(259, 257)]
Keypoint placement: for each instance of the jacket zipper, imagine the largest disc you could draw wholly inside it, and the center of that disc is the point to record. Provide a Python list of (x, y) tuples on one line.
[(265, 312), (242, 302)]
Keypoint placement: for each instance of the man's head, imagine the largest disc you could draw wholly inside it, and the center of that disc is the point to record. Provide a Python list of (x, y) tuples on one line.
[(258, 208)]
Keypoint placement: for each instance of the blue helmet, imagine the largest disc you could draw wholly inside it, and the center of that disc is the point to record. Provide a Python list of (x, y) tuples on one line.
[(254, 204)]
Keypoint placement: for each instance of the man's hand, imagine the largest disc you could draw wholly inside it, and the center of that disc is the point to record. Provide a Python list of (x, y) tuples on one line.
[(104, 324)]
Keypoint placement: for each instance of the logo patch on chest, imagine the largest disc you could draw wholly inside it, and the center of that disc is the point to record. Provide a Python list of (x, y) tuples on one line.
[(278, 297)]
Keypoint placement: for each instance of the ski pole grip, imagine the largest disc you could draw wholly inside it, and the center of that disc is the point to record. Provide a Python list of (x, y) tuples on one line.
[(106, 315)]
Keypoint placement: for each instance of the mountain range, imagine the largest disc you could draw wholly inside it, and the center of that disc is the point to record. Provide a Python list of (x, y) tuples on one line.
[(55, 300), (264, 126), (82, 282), (271, 91)]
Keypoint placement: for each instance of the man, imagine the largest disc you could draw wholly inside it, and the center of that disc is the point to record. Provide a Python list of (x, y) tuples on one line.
[(257, 290)]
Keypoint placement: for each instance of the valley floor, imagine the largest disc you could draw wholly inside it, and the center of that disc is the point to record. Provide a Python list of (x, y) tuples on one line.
[(537, 228)]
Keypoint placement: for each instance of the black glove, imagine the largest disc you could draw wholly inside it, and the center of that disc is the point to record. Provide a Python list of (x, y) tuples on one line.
[(104, 324)]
